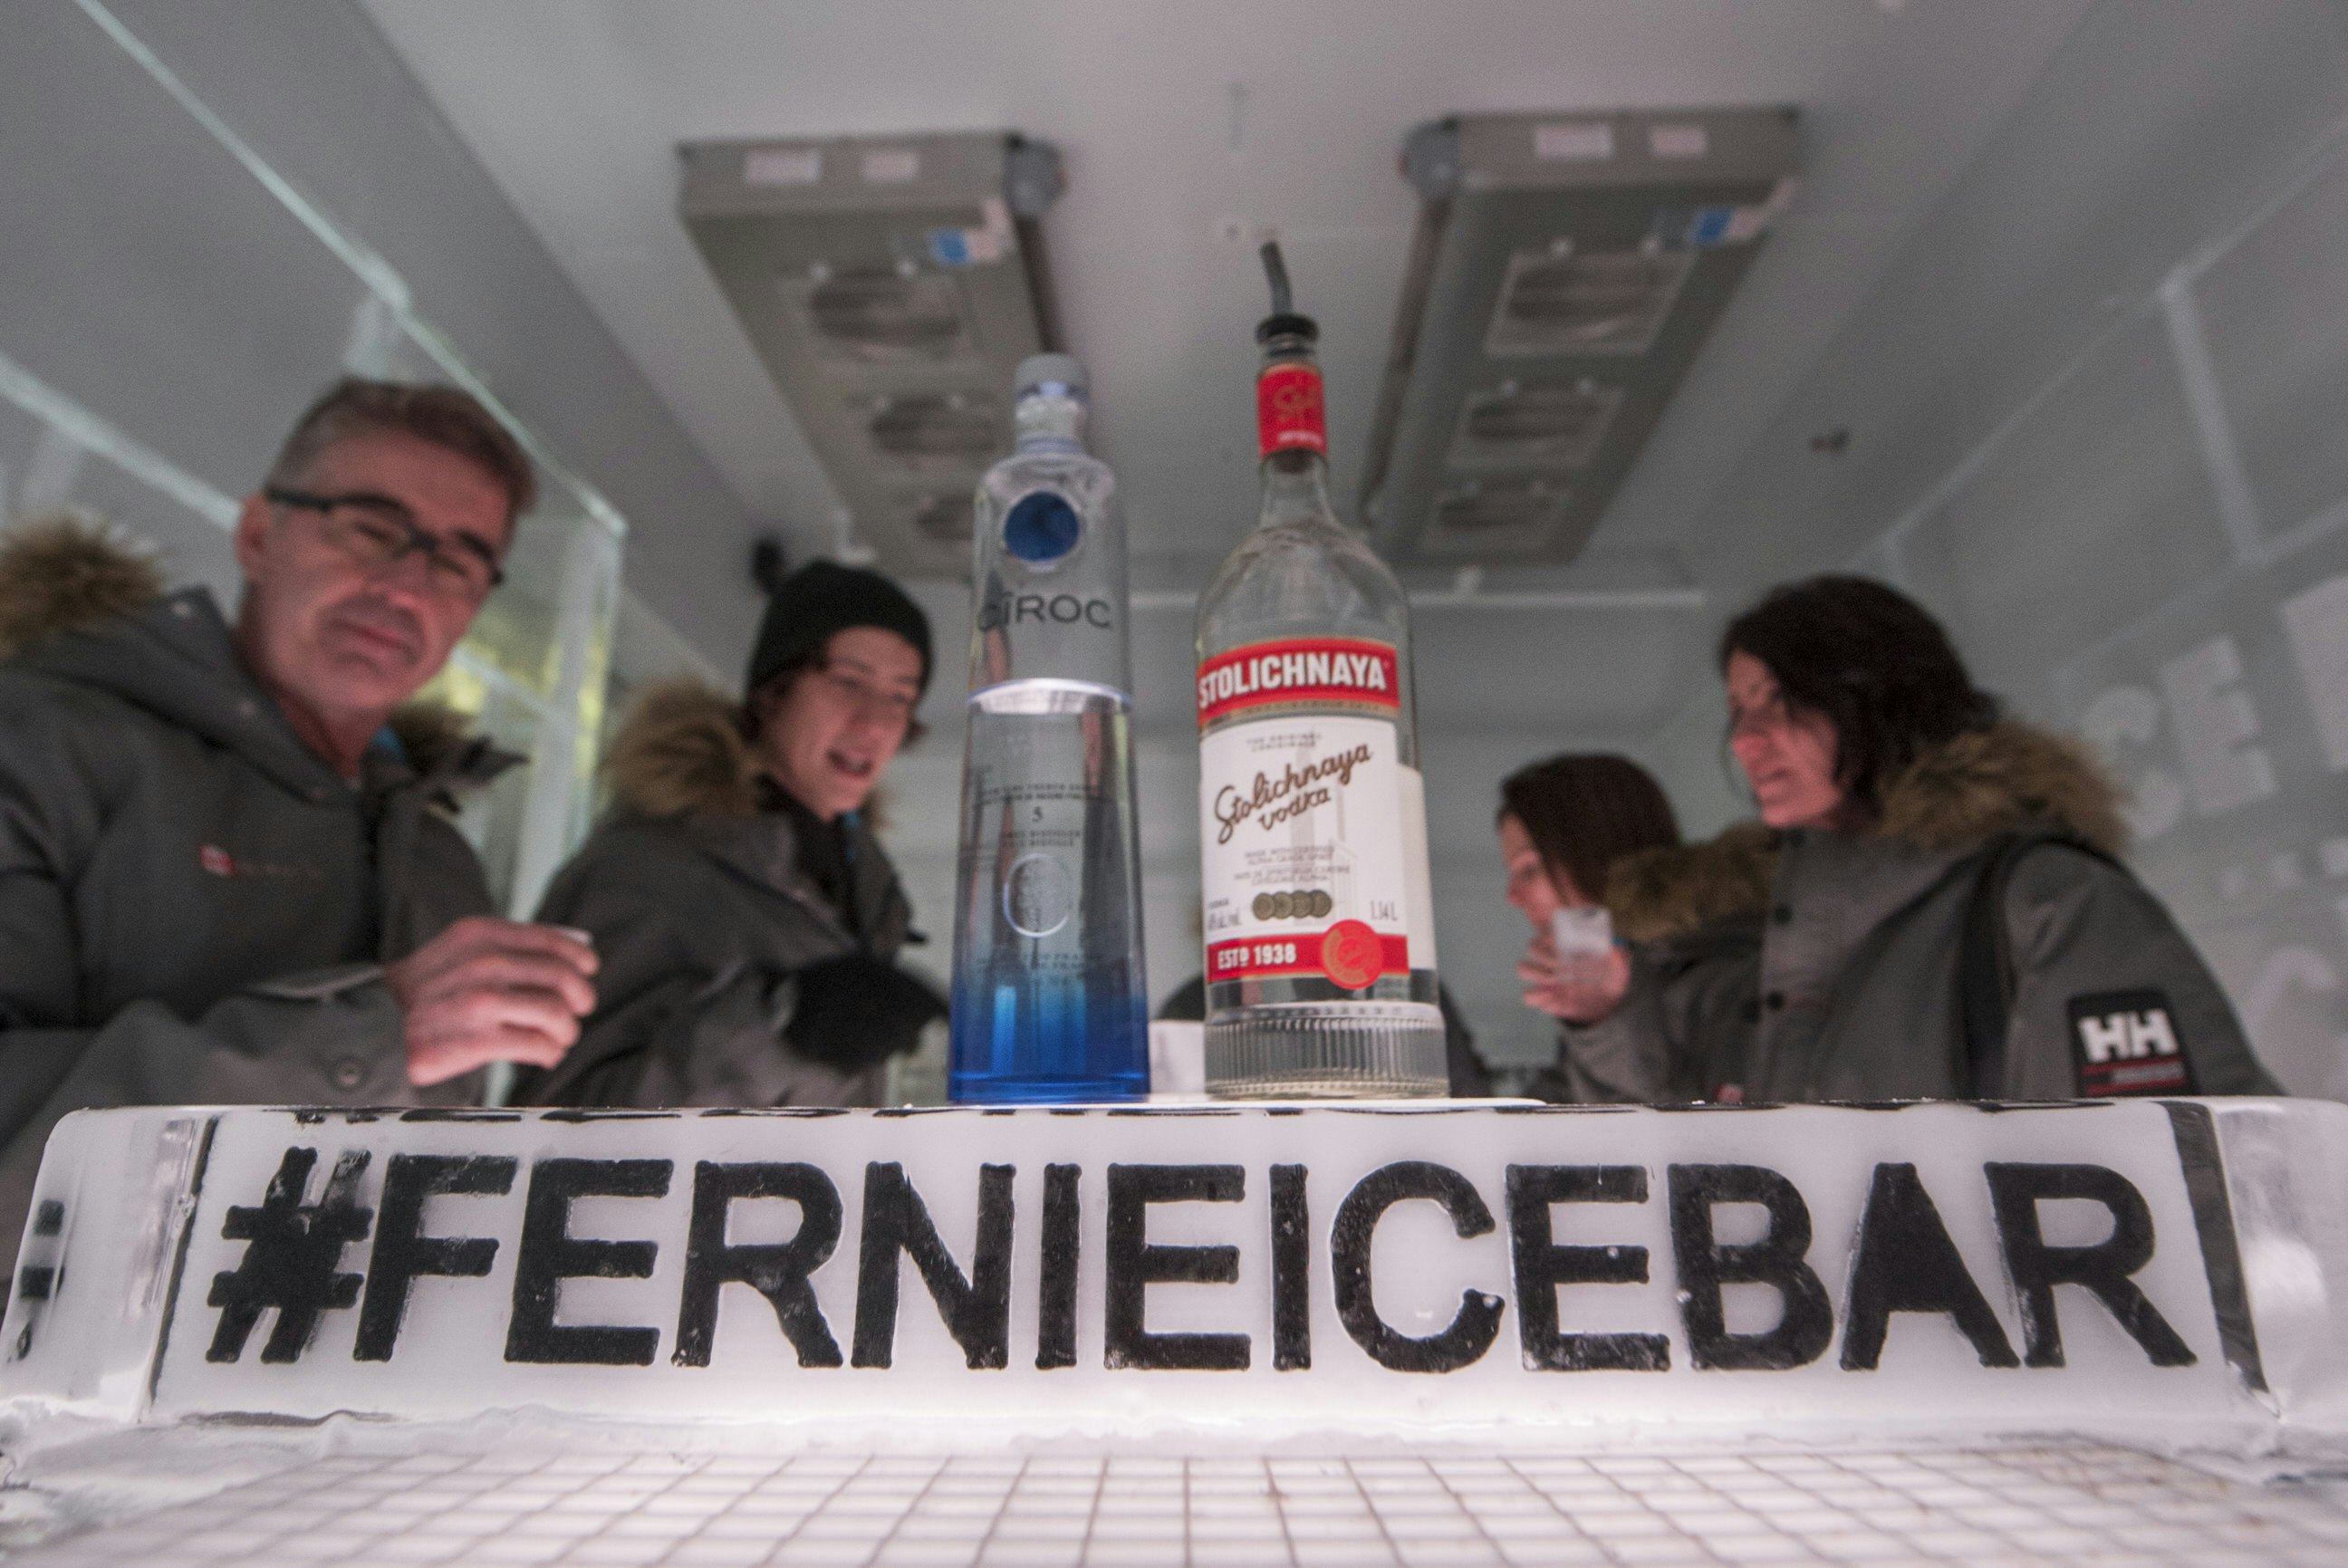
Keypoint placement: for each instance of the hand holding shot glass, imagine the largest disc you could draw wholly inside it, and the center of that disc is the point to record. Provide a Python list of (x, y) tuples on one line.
[(1574, 970)]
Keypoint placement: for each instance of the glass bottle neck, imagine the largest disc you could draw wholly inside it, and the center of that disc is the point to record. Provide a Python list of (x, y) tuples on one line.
[(1296, 486), (1049, 422)]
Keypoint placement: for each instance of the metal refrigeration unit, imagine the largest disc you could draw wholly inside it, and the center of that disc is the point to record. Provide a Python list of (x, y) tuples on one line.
[(889, 285), (1565, 272)]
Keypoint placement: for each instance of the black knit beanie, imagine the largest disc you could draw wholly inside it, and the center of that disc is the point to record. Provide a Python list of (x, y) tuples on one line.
[(823, 597)]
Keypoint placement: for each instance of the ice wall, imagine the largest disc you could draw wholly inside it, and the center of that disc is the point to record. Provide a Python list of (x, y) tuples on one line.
[(152, 277), (2095, 415), (206, 214)]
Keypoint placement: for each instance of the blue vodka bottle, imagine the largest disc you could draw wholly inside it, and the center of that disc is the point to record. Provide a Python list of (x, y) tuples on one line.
[(1049, 1002)]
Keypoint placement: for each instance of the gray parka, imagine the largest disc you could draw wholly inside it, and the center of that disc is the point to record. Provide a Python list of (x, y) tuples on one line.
[(193, 907), (700, 915), (1841, 982)]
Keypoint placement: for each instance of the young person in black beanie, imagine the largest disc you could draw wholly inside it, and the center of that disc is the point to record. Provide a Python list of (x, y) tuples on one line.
[(746, 920)]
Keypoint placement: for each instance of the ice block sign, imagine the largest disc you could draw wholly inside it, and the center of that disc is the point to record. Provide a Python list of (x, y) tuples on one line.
[(1479, 1268)]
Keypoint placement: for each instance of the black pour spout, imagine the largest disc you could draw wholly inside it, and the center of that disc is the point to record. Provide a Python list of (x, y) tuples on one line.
[(1283, 321)]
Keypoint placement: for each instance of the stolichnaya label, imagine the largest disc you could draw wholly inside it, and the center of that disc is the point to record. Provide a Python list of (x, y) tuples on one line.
[(1348, 674), (1302, 798)]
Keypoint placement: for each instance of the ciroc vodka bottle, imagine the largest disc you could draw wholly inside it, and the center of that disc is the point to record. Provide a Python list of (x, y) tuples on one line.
[(1049, 1000), (1320, 930)]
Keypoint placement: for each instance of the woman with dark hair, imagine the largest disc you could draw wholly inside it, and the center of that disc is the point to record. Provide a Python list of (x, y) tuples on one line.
[(1579, 831), (1945, 914), (746, 920)]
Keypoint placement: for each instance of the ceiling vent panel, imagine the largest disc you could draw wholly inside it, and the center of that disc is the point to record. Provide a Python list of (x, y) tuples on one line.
[(1498, 520), (1554, 302), (942, 517), (1566, 271), (929, 430), (882, 316), (889, 285), (1533, 426)]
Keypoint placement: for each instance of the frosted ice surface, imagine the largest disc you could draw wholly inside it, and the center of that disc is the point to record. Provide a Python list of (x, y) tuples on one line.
[(199, 1368), (410, 1502)]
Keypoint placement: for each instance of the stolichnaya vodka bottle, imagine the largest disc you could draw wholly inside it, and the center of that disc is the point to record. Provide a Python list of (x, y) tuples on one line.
[(1050, 1001), (1320, 930)]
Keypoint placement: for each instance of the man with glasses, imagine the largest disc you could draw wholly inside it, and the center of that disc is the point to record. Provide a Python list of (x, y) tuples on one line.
[(226, 874), (747, 919)]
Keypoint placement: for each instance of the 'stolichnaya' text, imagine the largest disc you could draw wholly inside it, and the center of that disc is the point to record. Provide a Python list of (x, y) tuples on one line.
[(1305, 671), (1297, 790)]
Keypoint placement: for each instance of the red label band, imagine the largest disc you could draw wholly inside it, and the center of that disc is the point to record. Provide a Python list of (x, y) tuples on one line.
[(1288, 414), (1349, 953), (1320, 671)]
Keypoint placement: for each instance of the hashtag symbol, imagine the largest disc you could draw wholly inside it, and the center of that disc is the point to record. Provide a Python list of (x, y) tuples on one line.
[(292, 1259)]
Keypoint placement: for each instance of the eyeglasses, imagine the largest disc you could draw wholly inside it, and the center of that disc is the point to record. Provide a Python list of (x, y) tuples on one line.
[(378, 532)]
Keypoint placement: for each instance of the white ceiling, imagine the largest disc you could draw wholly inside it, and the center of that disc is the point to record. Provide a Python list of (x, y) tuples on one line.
[(1187, 129)]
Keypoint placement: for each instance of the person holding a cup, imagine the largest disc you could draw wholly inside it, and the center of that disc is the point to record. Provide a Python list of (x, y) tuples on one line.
[(1639, 1019)]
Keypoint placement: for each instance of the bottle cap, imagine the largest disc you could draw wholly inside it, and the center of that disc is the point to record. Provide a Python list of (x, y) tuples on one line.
[(1041, 370)]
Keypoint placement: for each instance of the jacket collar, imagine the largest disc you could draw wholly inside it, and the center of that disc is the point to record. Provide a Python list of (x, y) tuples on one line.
[(428, 747), (764, 847), (681, 752), (1947, 803), (2000, 781), (681, 755), (174, 658), (1660, 895)]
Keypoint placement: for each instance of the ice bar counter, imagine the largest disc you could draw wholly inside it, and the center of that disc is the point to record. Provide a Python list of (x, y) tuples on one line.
[(1404, 1333)]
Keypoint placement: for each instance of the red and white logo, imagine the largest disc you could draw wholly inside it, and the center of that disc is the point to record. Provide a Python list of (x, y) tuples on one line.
[(215, 859), (1340, 673), (1349, 955)]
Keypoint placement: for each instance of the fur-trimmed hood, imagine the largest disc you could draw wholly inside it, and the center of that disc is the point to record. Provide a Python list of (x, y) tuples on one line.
[(69, 572), (1950, 800), (1661, 893), (681, 751), (442, 750), (2000, 779), (63, 572)]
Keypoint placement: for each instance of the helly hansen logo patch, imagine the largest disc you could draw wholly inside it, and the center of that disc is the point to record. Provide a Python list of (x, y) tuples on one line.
[(2126, 1042)]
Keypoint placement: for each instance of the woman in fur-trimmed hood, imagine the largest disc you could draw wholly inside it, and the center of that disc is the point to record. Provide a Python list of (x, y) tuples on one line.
[(746, 918), (1937, 907)]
